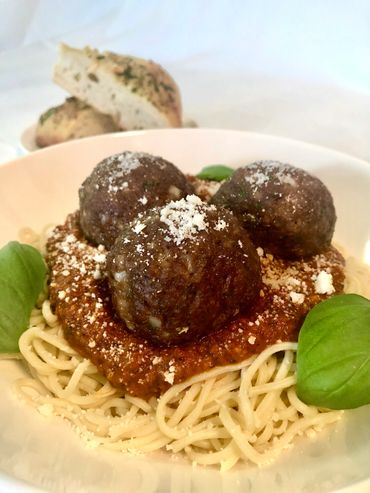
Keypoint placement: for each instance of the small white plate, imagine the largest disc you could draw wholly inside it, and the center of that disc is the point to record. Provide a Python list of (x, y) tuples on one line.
[(27, 142), (41, 188)]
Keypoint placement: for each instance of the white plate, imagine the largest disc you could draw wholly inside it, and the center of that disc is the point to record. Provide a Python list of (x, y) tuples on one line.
[(41, 188)]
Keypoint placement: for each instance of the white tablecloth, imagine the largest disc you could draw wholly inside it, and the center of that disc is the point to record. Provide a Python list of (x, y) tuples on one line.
[(290, 68)]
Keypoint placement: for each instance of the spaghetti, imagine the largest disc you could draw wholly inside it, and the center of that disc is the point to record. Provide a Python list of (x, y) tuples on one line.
[(247, 411), (242, 412)]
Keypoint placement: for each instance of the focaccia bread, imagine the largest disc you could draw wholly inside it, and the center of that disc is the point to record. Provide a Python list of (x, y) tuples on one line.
[(71, 120), (137, 93)]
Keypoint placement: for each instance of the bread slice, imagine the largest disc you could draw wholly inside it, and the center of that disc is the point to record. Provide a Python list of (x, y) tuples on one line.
[(136, 93), (71, 120)]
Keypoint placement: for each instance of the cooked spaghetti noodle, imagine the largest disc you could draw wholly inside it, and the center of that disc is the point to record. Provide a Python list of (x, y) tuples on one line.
[(242, 412)]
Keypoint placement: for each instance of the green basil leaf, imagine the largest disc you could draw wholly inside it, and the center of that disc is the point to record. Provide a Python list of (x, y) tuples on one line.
[(22, 276), (216, 172), (333, 357)]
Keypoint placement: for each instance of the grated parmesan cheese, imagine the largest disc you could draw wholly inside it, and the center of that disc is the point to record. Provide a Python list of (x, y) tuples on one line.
[(138, 228), (220, 225), (143, 200), (46, 409), (296, 297), (323, 283), (169, 376), (252, 340), (61, 295), (185, 218)]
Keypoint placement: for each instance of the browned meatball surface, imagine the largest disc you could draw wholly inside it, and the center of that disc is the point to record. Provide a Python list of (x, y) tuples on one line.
[(182, 271), (123, 185), (285, 209), (80, 295)]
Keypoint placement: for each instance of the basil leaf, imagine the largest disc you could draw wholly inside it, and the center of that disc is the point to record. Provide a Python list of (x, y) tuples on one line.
[(333, 357), (216, 172), (22, 275)]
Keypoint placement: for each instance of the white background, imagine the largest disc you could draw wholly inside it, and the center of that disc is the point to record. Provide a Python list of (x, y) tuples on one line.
[(292, 68)]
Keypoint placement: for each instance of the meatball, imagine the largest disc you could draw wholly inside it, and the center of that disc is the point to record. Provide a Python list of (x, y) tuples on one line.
[(285, 209), (179, 272), (123, 185)]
